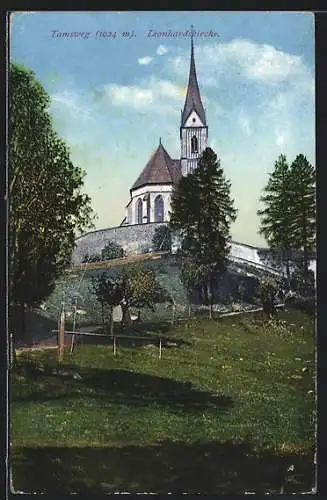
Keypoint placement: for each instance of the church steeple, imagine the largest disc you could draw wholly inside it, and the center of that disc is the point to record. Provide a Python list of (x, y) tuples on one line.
[(193, 99), (193, 130)]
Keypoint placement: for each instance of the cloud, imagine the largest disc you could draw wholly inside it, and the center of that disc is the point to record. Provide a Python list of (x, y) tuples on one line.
[(241, 58), (161, 50), (73, 103), (145, 60), (244, 122), (153, 93), (129, 95)]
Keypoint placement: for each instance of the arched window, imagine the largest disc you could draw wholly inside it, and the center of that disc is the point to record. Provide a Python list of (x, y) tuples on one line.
[(194, 144), (139, 211), (158, 209)]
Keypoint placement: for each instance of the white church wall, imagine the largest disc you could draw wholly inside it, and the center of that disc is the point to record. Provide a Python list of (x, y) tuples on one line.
[(154, 190)]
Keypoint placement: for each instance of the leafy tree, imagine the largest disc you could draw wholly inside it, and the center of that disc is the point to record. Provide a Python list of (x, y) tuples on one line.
[(202, 211), (112, 250), (47, 208), (108, 290), (276, 216), (303, 208), (162, 240), (141, 289), (135, 286), (268, 289), (193, 277)]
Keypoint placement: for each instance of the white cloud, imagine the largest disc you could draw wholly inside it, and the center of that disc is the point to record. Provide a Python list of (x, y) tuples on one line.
[(159, 95), (129, 95), (242, 58), (73, 103), (244, 122), (145, 60), (161, 50)]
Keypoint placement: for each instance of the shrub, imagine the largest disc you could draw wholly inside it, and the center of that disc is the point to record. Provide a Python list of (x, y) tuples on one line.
[(302, 283), (112, 250), (305, 304), (268, 288), (162, 239), (91, 258)]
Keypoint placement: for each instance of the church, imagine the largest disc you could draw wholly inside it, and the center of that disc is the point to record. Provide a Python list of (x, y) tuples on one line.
[(151, 192)]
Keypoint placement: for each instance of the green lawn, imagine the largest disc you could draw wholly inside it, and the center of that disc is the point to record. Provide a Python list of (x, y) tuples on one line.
[(229, 409)]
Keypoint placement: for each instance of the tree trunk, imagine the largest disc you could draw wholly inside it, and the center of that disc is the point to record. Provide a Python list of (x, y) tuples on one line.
[(126, 319), (110, 321), (22, 323), (102, 313), (12, 348), (210, 298)]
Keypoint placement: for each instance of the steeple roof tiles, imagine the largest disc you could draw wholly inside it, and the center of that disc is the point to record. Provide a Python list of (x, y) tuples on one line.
[(193, 98)]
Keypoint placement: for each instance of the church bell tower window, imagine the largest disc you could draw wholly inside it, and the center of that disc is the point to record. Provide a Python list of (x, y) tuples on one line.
[(194, 144)]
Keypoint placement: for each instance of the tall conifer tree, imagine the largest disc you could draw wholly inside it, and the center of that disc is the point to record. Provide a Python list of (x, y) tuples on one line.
[(202, 210)]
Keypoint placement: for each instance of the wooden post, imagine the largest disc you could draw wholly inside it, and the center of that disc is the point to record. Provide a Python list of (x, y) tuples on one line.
[(160, 348), (173, 314), (114, 345), (61, 345), (74, 325)]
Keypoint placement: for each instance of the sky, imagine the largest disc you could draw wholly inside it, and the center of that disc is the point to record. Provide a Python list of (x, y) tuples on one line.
[(113, 96)]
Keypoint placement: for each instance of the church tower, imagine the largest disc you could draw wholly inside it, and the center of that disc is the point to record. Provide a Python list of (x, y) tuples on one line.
[(193, 130)]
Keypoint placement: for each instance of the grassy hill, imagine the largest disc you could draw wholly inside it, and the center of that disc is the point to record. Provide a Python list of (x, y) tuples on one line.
[(229, 408)]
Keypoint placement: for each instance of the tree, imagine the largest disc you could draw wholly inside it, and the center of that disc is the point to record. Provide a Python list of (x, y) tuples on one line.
[(193, 277), (112, 250), (268, 289), (276, 216), (140, 289), (47, 208), (162, 240), (303, 206), (108, 290), (202, 211), (135, 286)]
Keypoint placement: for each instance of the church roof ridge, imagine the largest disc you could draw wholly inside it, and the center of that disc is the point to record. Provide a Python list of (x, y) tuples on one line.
[(193, 98)]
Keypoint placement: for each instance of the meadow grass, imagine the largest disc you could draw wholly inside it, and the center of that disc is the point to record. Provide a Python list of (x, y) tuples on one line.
[(230, 407)]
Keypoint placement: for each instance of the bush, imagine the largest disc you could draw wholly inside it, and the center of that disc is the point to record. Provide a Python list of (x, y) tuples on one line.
[(268, 288), (112, 250), (162, 239), (305, 304), (91, 258), (303, 284)]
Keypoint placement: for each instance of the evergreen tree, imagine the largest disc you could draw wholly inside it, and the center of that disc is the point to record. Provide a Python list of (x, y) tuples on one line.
[(303, 208), (47, 208), (276, 217), (202, 211), (161, 240)]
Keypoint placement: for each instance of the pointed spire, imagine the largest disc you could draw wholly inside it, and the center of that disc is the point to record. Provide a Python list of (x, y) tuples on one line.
[(160, 141), (193, 99)]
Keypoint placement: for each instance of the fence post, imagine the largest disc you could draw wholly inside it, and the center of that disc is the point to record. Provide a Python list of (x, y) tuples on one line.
[(61, 345), (173, 314), (160, 348), (74, 325)]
